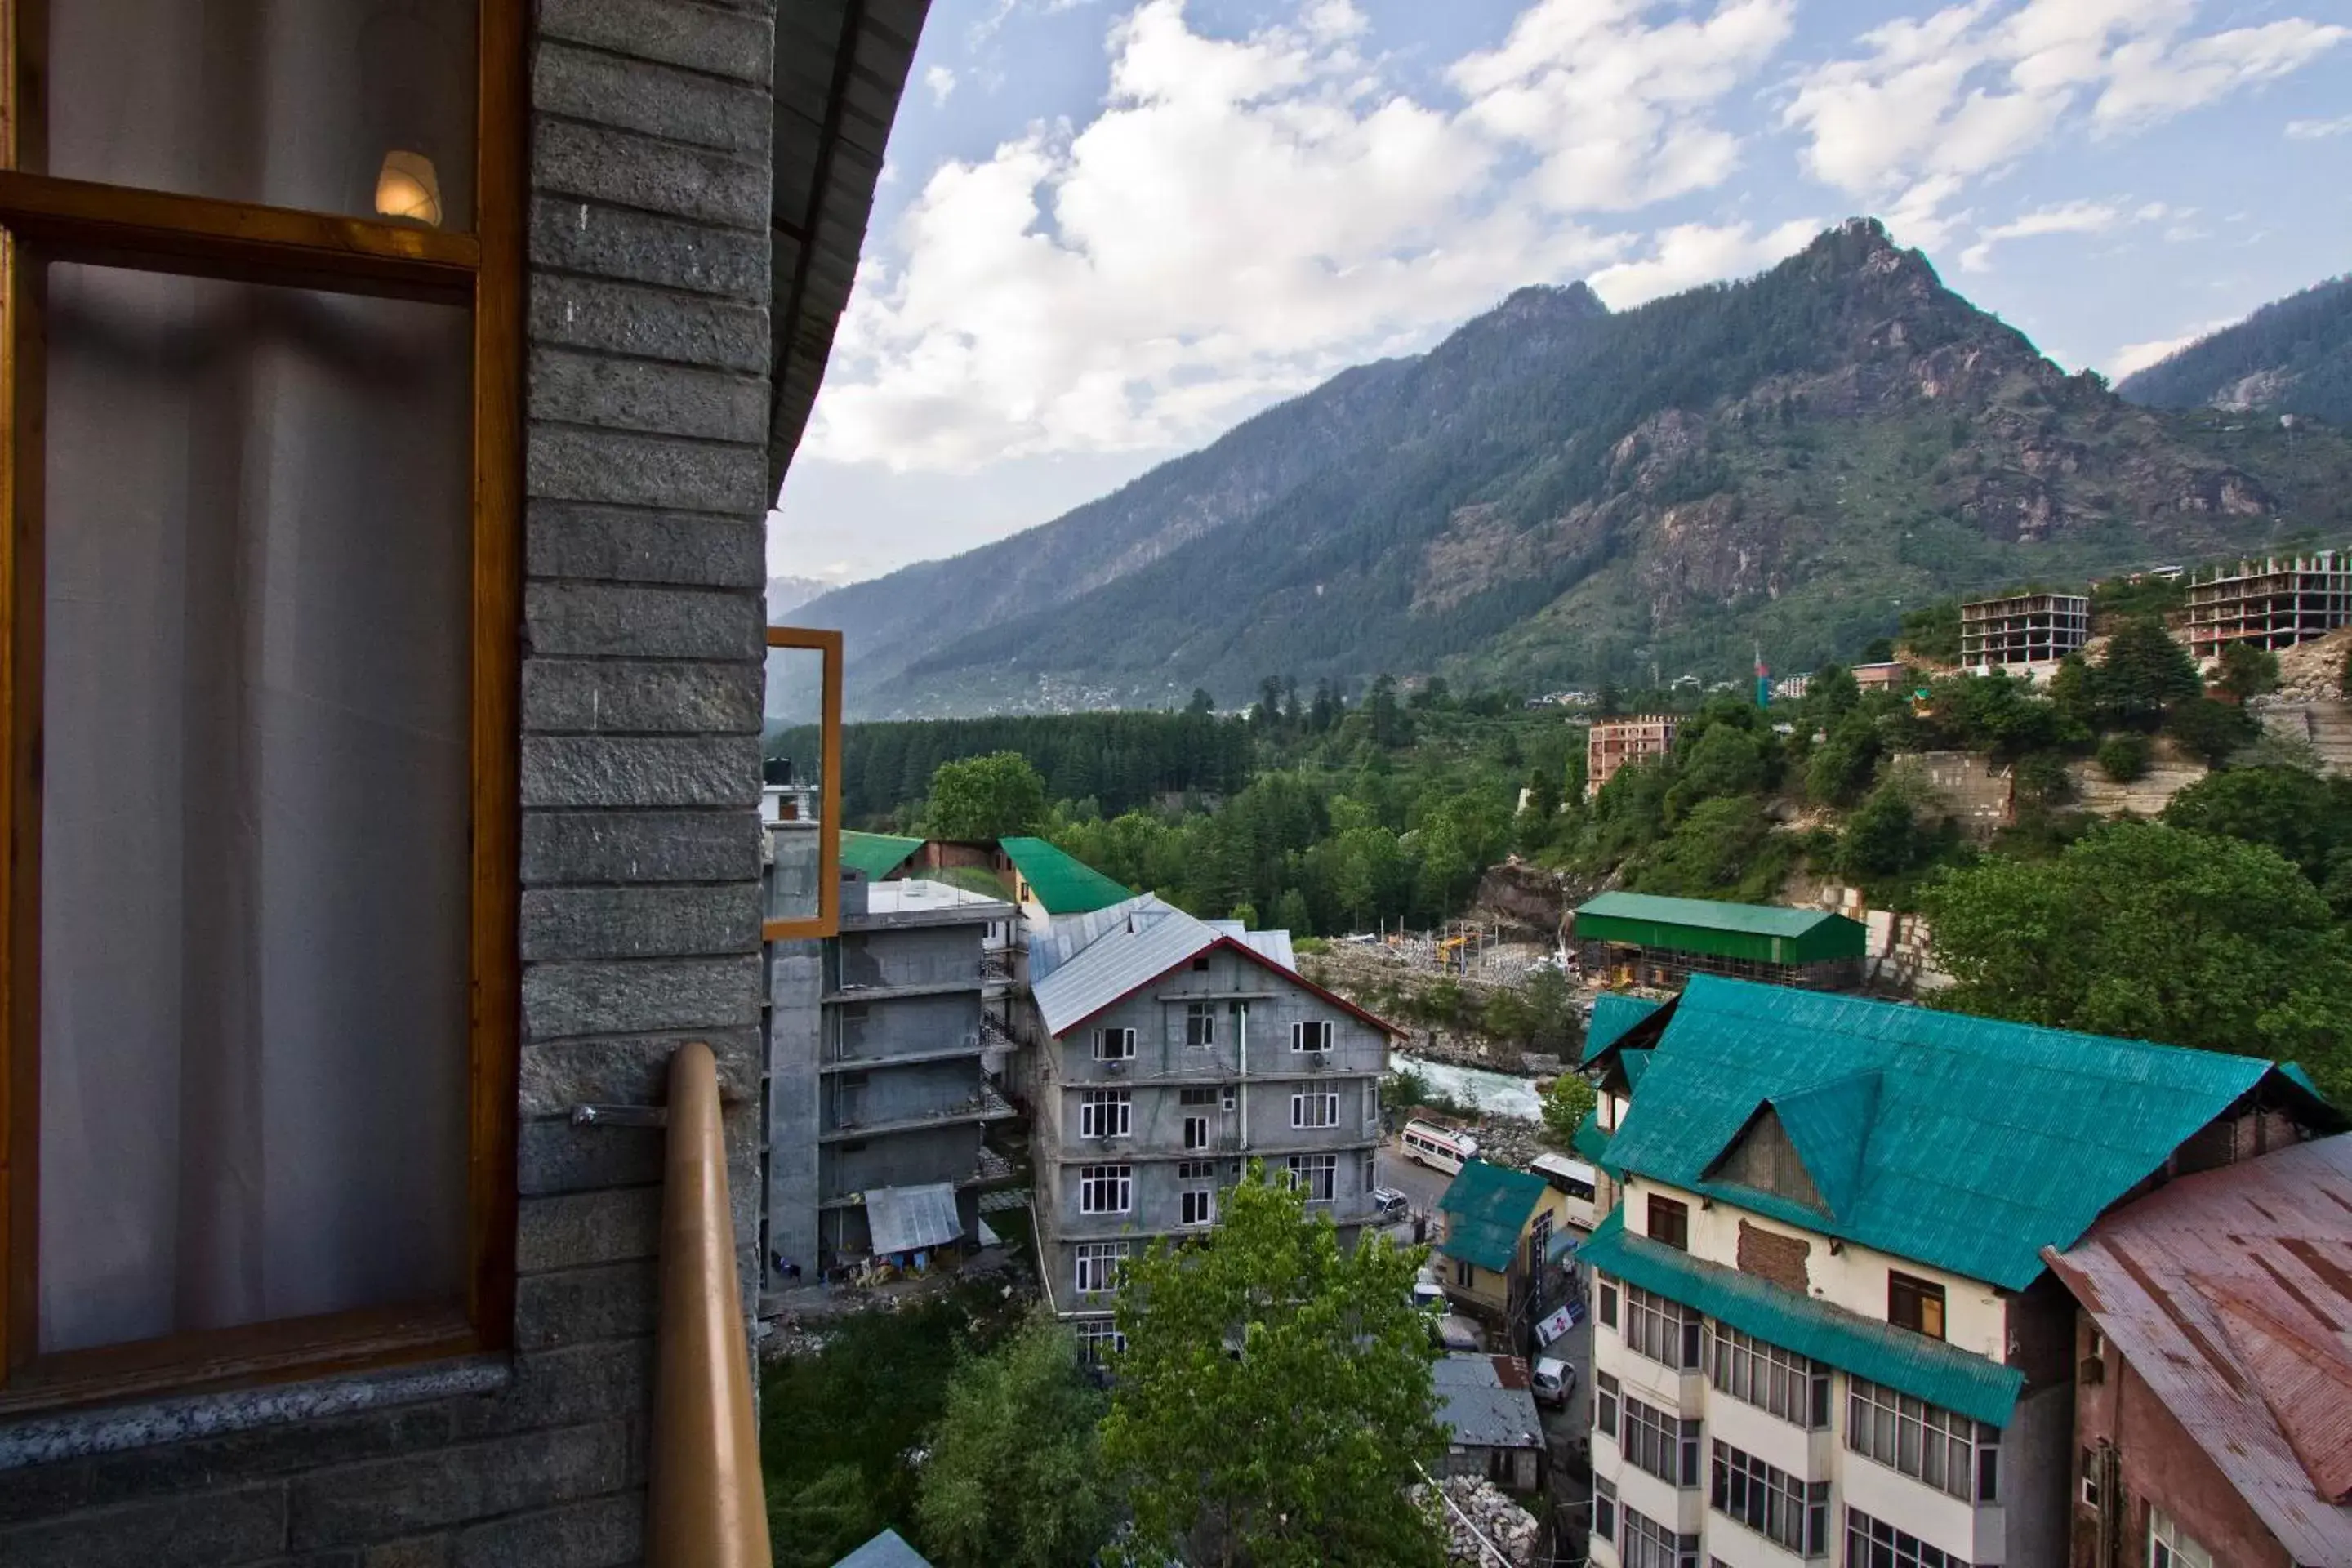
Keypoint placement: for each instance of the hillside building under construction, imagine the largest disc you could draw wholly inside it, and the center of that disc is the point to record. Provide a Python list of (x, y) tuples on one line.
[(2022, 628), (2273, 605), (1615, 743)]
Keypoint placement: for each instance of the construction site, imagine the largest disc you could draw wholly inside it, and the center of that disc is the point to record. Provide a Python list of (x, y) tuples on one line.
[(2273, 605), (2023, 628)]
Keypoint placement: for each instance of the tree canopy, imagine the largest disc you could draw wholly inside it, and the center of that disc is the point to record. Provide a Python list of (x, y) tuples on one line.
[(995, 796), (1013, 1478)]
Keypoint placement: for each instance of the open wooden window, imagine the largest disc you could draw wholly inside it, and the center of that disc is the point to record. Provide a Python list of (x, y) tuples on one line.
[(1915, 1304), (800, 745), (260, 401)]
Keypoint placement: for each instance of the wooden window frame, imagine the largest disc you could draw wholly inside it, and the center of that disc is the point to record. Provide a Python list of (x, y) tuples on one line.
[(1669, 1215), (44, 220), (826, 922), (1918, 1293)]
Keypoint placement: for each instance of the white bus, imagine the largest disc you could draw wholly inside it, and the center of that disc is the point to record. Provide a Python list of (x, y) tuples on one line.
[(1439, 1148), (1575, 1180)]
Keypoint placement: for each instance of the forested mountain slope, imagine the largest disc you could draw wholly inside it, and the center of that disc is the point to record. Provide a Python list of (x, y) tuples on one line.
[(1556, 495), (2293, 356)]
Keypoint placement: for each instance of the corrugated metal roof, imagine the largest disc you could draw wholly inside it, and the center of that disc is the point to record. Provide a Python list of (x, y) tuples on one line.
[(911, 1219), (1766, 932), (1926, 1369), (1612, 1015), (1590, 1139), (1271, 944), (1987, 1142), (2228, 1291), (888, 1550), (1132, 954), (1486, 1209), (1062, 882), (1484, 1407), (876, 854), (1829, 1125)]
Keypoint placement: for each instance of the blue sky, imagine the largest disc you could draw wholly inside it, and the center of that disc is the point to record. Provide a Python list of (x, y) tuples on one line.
[(1111, 229)]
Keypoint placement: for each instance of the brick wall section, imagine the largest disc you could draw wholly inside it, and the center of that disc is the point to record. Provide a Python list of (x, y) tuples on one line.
[(650, 247)]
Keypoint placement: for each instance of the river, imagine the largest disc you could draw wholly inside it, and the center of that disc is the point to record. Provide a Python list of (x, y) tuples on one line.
[(1495, 1093)]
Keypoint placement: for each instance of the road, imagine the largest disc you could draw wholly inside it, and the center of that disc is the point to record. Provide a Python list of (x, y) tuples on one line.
[(1421, 1185)]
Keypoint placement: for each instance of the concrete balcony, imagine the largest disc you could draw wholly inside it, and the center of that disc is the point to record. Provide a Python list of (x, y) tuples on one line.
[(986, 1105)]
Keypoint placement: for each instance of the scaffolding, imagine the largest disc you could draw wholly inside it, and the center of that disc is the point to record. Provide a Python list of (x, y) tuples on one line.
[(2023, 628), (2273, 604)]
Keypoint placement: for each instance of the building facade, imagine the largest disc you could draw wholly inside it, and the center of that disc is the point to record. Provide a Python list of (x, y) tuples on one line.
[(2022, 630), (2273, 604), (1614, 743), (1494, 1253), (1176, 1052), (1643, 940), (1823, 1326)]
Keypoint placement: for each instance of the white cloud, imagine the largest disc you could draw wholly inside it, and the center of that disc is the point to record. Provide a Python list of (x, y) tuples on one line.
[(2134, 357), (1245, 216), (2318, 130), (2072, 217), (941, 81)]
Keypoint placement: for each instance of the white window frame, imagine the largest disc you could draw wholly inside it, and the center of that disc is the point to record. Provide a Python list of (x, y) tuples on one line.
[(1197, 1133), (1305, 1108), (1105, 1189), (1098, 1266), (1201, 1025), (1096, 1333), (1314, 1172), (1115, 1045), (1311, 1035), (1106, 1114), (1197, 1206), (2169, 1546)]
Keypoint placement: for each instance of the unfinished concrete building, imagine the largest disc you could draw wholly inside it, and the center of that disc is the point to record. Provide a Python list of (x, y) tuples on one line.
[(2273, 604), (1617, 742), (2023, 628), (1177, 1051)]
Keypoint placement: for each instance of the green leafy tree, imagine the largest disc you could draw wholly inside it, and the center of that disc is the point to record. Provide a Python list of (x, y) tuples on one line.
[(1842, 765), (1725, 761), (1892, 836), (1830, 695), (995, 796), (2306, 818), (2145, 672), (1014, 1477), (2152, 932), (1565, 1106), (1723, 849), (1933, 631), (1274, 1401), (2124, 757), (1878, 650), (2209, 729), (2073, 692), (1558, 1025), (2247, 670)]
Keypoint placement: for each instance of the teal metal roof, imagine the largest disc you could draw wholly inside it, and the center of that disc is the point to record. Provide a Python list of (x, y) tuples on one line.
[(1590, 1140), (1486, 1209), (876, 854), (1926, 1369), (1637, 1065), (1065, 884), (1963, 1143), (1765, 934), (1613, 1013)]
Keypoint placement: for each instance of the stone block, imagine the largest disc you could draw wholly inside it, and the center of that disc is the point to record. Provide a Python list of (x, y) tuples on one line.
[(633, 171), (637, 395), (354, 1504), (640, 771), (639, 923), (625, 545), (610, 1379), (561, 847), (574, 235), (734, 44), (576, 1306), (650, 323), (623, 620), (607, 696), (416, 1551), (35, 1491), (557, 1157), (567, 463), (581, 1229), (604, 1532), (633, 1071), (636, 95), (267, 1451), (638, 995), (197, 1531)]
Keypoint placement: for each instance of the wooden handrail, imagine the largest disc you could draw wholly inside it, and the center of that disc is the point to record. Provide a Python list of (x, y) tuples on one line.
[(706, 1507)]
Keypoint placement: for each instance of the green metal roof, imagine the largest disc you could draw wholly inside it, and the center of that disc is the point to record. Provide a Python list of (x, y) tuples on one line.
[(1613, 1013), (1065, 884), (1590, 1139), (1963, 1143), (1635, 1063), (876, 854), (1486, 1209), (1925, 1369), (1765, 933)]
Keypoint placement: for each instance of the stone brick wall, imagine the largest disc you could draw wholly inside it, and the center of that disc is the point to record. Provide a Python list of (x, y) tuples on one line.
[(648, 339)]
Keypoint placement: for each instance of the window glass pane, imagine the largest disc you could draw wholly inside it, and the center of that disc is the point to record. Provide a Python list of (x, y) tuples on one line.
[(255, 887), (338, 106), (793, 765)]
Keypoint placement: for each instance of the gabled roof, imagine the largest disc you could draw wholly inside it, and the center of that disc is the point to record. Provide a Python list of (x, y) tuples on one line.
[(1591, 1138), (888, 1550), (1767, 933), (1486, 1401), (1063, 884), (1984, 1142), (1829, 1125), (876, 854), (1925, 1368), (1613, 1013), (1486, 1209), (1756, 919), (2227, 1292)]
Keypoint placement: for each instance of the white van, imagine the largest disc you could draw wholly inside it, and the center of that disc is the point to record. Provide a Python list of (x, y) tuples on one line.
[(1439, 1148)]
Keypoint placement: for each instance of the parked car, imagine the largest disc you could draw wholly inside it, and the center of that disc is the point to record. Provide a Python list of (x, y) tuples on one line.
[(1427, 1293), (1552, 1382), (1455, 1333), (1390, 1204)]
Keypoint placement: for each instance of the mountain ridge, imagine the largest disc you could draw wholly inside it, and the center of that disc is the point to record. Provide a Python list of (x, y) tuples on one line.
[(2292, 356)]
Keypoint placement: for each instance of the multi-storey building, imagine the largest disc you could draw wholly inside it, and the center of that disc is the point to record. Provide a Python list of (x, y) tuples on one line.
[(2273, 604), (1177, 1051), (1824, 1326), (1614, 743), (2022, 628)]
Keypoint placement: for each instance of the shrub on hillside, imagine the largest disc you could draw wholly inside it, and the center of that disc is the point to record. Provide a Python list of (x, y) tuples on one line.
[(2123, 758)]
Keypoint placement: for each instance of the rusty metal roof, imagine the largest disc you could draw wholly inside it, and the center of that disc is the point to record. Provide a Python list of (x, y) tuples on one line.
[(2230, 1294)]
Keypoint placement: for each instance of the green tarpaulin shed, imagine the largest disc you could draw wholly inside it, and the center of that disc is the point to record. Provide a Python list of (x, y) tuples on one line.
[(876, 854), (1762, 933), (1062, 882)]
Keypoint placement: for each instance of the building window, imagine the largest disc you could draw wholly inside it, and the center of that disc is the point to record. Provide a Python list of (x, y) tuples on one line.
[(1915, 1304), (1105, 1189), (1656, 1441), (1649, 1545), (1368, 1172), (1771, 1501), (1098, 1340), (1923, 1441), (1200, 964), (1318, 1174), (1114, 1045), (1793, 1387), (1196, 1132), (1315, 1035), (1314, 1111), (1098, 1265), (1664, 1330), (1197, 1206), (1200, 1023), (1197, 1097), (1465, 1274), (2090, 1478), (1196, 1170), (1874, 1543), (2168, 1546), (1669, 1222), (1604, 1404), (1604, 1508), (1608, 1304), (1106, 1114)]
